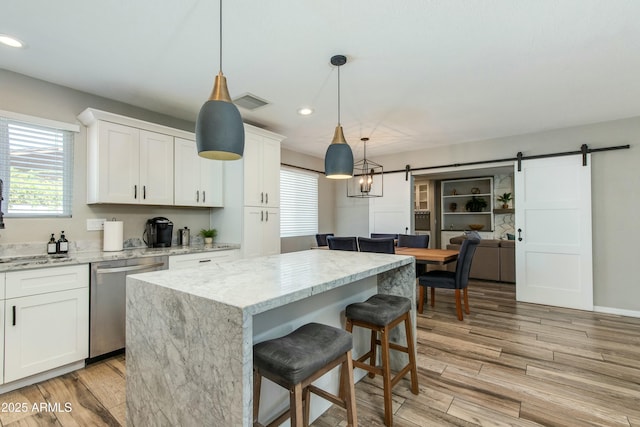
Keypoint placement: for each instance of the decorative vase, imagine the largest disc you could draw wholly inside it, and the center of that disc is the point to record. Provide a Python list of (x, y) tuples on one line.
[(453, 207), (208, 240), (505, 206)]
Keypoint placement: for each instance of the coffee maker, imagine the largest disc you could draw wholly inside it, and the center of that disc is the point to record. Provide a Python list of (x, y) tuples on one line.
[(158, 232)]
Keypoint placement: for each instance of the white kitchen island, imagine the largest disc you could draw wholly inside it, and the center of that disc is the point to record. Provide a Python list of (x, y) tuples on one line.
[(190, 333)]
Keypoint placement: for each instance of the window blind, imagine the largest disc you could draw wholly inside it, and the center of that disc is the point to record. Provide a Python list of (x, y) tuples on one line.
[(298, 203), (36, 165)]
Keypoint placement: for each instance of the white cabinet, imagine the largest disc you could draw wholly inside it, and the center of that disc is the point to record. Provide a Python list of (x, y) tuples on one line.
[(261, 170), (261, 231), (46, 319), (129, 165), (198, 181), (2, 275), (202, 258), (392, 212)]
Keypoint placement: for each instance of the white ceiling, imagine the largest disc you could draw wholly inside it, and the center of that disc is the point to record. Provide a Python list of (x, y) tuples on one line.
[(419, 73)]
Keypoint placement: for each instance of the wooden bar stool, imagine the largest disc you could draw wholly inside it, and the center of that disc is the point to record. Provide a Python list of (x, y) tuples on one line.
[(294, 361), (381, 313)]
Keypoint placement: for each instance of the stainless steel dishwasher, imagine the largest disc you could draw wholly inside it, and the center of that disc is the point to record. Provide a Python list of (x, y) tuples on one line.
[(107, 300)]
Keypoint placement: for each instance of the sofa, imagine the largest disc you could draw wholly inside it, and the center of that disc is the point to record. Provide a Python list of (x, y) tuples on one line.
[(494, 259)]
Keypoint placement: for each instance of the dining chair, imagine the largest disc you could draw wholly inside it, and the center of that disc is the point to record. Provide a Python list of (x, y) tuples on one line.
[(457, 280), (383, 236), (342, 243), (415, 241), (381, 246), (321, 239)]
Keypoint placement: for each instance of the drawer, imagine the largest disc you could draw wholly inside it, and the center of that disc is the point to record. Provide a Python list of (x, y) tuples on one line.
[(43, 280), (201, 258)]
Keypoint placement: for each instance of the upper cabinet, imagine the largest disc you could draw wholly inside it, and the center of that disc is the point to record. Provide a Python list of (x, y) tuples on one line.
[(131, 161), (261, 170), (198, 181), (129, 165)]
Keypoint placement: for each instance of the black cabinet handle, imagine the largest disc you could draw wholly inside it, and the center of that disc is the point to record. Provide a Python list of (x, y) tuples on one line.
[(197, 195), (519, 234), (144, 191), (135, 191), (267, 213), (205, 260), (261, 197), (204, 196), (266, 199), (14, 315), (261, 215)]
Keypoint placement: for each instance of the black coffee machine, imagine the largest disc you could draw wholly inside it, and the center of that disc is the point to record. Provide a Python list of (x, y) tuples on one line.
[(158, 232)]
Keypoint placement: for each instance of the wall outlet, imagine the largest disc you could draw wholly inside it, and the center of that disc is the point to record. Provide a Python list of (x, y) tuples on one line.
[(95, 224)]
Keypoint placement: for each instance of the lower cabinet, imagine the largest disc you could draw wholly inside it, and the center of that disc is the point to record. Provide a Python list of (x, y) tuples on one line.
[(261, 232), (46, 319), (201, 258)]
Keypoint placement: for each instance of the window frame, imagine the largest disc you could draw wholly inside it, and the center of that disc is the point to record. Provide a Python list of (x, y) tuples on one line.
[(311, 221), (38, 124)]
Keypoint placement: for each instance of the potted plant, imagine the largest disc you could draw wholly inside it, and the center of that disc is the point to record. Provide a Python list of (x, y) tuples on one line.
[(475, 204), (505, 199), (208, 234)]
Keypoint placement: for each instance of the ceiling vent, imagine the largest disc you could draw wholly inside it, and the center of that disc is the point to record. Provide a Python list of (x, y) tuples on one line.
[(249, 102)]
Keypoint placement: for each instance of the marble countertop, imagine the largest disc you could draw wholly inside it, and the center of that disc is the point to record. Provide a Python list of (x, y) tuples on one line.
[(256, 285), (25, 262)]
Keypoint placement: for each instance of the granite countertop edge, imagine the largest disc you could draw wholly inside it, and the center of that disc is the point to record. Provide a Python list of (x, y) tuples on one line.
[(28, 262)]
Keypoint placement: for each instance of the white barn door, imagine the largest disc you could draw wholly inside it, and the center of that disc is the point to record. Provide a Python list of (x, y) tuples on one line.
[(553, 232), (392, 213)]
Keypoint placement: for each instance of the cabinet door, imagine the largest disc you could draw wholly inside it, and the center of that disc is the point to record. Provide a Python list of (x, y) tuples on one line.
[(253, 229), (156, 169), (211, 183), (49, 331), (271, 171), (118, 163), (271, 232), (252, 162), (187, 173), (1, 340)]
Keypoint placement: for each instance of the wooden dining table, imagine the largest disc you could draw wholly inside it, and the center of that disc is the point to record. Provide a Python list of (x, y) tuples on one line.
[(423, 255), (429, 256)]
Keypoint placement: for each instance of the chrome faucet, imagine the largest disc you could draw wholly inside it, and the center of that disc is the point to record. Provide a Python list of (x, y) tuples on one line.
[(1, 199)]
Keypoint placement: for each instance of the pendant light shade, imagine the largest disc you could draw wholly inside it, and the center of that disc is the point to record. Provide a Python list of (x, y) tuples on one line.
[(219, 127), (338, 161)]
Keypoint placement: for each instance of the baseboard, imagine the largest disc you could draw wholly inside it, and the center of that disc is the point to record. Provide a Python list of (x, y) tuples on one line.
[(43, 376), (618, 311)]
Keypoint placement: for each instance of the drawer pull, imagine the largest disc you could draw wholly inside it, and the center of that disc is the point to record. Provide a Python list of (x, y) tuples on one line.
[(14, 315), (205, 260)]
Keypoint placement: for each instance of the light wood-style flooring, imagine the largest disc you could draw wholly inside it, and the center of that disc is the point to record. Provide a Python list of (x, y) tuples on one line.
[(507, 363)]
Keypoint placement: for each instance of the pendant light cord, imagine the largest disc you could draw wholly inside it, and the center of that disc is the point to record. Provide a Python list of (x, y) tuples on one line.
[(221, 36), (338, 95)]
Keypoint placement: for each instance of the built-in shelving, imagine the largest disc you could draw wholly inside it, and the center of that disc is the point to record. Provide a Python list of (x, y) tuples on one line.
[(455, 194)]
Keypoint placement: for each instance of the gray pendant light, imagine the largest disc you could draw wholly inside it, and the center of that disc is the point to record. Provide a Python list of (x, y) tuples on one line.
[(219, 128), (338, 161)]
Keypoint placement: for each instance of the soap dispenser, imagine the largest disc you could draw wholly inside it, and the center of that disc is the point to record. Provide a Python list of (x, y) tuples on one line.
[(63, 244), (52, 247)]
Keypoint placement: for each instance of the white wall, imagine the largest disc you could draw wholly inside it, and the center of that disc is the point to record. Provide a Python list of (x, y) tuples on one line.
[(22, 94), (615, 184)]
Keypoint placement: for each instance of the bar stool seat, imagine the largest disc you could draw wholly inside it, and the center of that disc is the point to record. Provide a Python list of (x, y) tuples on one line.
[(295, 360), (381, 313)]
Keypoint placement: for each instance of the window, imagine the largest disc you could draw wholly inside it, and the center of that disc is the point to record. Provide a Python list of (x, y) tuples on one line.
[(298, 203), (36, 166)]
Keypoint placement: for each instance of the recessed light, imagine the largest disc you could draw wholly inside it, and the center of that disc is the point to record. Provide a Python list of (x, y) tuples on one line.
[(305, 111), (10, 41)]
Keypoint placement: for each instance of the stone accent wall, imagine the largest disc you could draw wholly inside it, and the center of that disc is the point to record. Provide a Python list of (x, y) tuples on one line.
[(504, 223)]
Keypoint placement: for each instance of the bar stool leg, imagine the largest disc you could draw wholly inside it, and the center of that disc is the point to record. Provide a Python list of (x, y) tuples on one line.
[(349, 391), (374, 352), (386, 377), (295, 399), (433, 296), (412, 353)]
